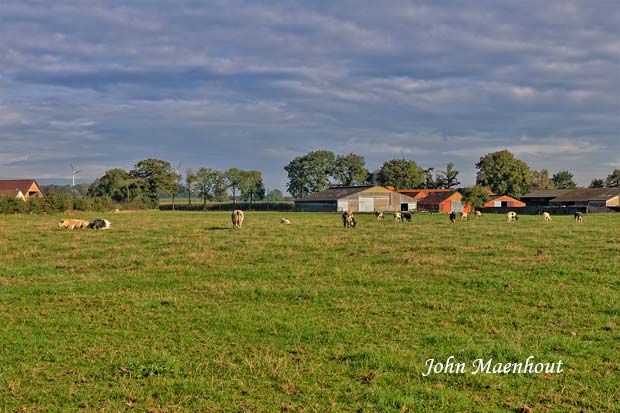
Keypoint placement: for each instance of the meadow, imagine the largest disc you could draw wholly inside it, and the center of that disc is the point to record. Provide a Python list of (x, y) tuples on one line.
[(176, 312)]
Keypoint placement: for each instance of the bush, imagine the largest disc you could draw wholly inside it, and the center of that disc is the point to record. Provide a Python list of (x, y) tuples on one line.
[(59, 202), (82, 204), (11, 205), (37, 206)]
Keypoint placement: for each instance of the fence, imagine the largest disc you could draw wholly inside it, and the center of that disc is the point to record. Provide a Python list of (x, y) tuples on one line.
[(229, 206)]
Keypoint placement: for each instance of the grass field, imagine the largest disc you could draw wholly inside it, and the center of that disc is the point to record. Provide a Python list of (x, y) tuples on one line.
[(171, 312)]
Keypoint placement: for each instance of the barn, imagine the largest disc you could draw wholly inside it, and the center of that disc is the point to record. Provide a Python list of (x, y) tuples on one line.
[(443, 201), (368, 198), (20, 188), (503, 201)]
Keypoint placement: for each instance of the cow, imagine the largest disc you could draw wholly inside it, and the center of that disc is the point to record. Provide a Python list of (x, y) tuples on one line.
[(546, 216), (397, 216), (348, 221), (405, 216), (285, 221), (237, 218), (464, 216), (478, 214), (511, 216), (578, 216), (73, 223), (379, 215), (452, 217), (100, 223)]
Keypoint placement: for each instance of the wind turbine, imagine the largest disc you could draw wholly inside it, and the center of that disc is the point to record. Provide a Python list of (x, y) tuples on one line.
[(75, 172)]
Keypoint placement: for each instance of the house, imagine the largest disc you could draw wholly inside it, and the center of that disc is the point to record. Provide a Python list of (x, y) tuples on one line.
[(419, 194), (444, 201), (503, 201), (20, 188), (366, 198)]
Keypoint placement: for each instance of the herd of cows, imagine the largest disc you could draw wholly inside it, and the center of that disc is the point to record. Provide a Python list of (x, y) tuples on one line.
[(348, 219)]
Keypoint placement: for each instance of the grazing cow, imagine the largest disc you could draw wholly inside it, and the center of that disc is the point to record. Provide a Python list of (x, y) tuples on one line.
[(73, 223), (464, 216), (578, 216), (453, 217), (100, 223), (379, 215), (397, 216), (511, 216), (405, 216), (546, 216), (478, 214), (285, 221), (348, 221), (237, 218)]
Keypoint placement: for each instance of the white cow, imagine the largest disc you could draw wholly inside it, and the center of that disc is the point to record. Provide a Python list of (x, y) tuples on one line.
[(397, 216), (237, 218), (285, 221), (546, 216), (511, 216)]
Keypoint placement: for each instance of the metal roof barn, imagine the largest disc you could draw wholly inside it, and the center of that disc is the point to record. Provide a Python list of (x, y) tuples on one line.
[(368, 198)]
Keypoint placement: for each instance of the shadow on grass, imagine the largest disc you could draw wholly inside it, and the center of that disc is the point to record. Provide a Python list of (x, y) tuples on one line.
[(217, 228)]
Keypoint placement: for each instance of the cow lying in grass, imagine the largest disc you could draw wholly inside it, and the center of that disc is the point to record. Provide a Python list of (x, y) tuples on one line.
[(379, 215), (100, 223), (578, 216), (285, 221), (546, 216), (348, 221), (237, 218), (73, 223)]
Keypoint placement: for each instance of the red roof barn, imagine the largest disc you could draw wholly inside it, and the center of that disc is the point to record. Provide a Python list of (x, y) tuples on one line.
[(503, 201), (20, 188)]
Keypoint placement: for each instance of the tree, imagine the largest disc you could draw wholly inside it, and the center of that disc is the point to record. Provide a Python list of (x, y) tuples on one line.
[(563, 180), (476, 196), (190, 178), (118, 184), (233, 181), (613, 180), (349, 170), (251, 186), (400, 173), (597, 183), (447, 178), (309, 173), (157, 177), (275, 195), (429, 181), (540, 180), (504, 174), (211, 185)]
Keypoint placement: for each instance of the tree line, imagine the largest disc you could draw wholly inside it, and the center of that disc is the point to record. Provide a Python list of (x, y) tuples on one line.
[(500, 172)]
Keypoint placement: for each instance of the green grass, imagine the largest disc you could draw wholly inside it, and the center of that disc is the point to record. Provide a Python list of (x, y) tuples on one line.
[(172, 312)]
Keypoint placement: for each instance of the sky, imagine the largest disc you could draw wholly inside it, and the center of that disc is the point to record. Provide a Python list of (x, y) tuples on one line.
[(220, 84)]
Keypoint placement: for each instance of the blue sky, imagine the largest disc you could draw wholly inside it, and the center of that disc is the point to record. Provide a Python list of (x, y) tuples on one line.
[(103, 84)]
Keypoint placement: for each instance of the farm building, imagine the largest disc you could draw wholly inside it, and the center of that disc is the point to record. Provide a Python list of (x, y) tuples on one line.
[(355, 199), (443, 201), (588, 199), (542, 197), (503, 201), (20, 188)]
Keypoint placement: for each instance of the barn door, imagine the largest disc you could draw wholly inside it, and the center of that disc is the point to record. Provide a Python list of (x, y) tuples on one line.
[(343, 205), (456, 206), (366, 204)]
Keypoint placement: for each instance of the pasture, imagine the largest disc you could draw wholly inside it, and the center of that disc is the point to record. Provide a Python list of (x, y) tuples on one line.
[(176, 312)]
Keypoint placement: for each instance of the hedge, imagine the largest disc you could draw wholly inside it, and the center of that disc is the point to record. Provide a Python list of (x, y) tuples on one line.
[(229, 206)]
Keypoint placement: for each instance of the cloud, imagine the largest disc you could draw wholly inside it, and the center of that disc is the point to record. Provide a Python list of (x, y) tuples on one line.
[(232, 83)]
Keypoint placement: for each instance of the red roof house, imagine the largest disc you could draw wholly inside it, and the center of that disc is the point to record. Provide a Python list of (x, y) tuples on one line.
[(20, 188), (503, 201)]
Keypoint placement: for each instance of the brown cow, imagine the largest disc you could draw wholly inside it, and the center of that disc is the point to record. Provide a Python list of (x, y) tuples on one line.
[(73, 223), (348, 221)]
